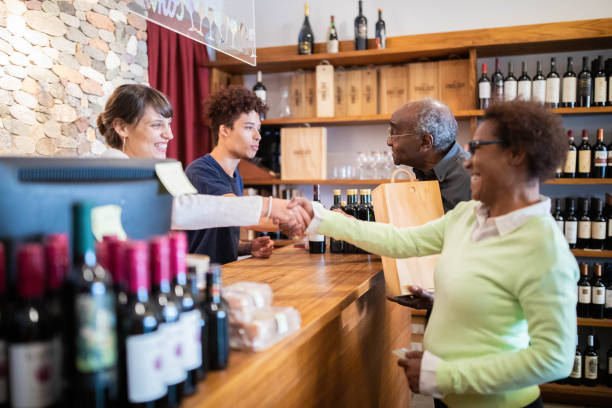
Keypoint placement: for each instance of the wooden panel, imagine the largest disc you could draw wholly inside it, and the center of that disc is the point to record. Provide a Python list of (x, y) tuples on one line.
[(353, 85), (369, 91), (454, 83), (340, 93), (583, 321), (303, 153), (393, 88), (218, 80), (579, 181), (325, 91), (296, 95), (599, 395), (310, 95), (423, 81)]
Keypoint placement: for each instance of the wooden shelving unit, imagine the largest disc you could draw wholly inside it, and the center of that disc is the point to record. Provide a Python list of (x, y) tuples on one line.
[(589, 253), (599, 395), (578, 181), (588, 322)]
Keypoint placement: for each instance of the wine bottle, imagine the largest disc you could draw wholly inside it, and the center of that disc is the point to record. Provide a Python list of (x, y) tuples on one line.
[(558, 215), (260, 90), (170, 328), (361, 29), (3, 330), (365, 211), (585, 83), (598, 225), (600, 157), (190, 317), (609, 358), (600, 85), (497, 80), (584, 225), (332, 37), (30, 335), (608, 305), (571, 223), (608, 216), (591, 362), (524, 84), (116, 266), (381, 32), (510, 85), (316, 242), (569, 170), (193, 282), (350, 209), (608, 69), (484, 89), (140, 345), (569, 85), (584, 156), (89, 306), (216, 317), (553, 85), (538, 88), (584, 291), (335, 245), (598, 293), (575, 377), (306, 37)]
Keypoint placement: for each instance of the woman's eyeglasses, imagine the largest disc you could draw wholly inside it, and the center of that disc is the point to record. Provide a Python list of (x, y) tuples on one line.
[(475, 144)]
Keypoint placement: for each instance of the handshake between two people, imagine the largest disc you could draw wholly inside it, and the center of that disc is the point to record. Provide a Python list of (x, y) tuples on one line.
[(292, 217)]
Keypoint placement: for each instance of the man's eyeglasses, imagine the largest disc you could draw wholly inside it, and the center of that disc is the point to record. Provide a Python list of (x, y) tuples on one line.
[(391, 135), (475, 144)]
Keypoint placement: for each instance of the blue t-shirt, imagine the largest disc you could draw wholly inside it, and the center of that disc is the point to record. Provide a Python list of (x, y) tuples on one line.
[(208, 177)]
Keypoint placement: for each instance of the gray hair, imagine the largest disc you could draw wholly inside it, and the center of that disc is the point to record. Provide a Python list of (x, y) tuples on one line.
[(436, 119)]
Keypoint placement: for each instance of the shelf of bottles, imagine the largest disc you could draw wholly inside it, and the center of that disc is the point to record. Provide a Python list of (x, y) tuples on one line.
[(560, 390)]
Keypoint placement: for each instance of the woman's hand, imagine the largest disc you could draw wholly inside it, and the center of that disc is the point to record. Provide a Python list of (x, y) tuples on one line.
[(412, 368)]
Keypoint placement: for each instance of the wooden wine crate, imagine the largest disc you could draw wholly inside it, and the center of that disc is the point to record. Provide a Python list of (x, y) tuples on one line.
[(220, 79), (304, 153), (393, 88), (325, 90), (423, 81), (369, 91), (296, 95), (340, 92), (354, 82), (310, 95), (454, 80)]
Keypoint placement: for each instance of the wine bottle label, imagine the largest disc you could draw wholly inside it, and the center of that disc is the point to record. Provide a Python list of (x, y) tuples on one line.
[(610, 157), (598, 296), (599, 93), (610, 89), (584, 229), (498, 90), (569, 89), (261, 94), (96, 341), (58, 355), (584, 87), (598, 230), (510, 89), (145, 371), (538, 89), (584, 294), (600, 158), (3, 373), (571, 231), (192, 339), (553, 86), (172, 336), (610, 365), (31, 372), (362, 30), (577, 368), (305, 48), (484, 90), (584, 161), (524, 90), (608, 298), (332, 46), (560, 224), (570, 162), (590, 367)]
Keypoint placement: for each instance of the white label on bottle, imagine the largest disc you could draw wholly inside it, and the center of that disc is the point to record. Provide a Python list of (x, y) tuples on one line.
[(145, 371), (600, 158), (584, 294), (577, 369), (610, 157), (584, 229), (598, 296), (332, 46), (569, 89), (570, 162), (610, 365), (172, 336), (316, 238), (31, 373), (538, 93), (484, 90), (608, 298), (571, 231), (610, 89), (552, 90), (524, 90), (510, 88), (560, 225), (261, 94), (598, 230), (282, 325), (57, 366), (584, 161), (599, 92), (590, 367), (192, 339), (3, 372)]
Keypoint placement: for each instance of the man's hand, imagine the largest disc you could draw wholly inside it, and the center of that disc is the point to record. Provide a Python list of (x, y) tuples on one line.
[(412, 368), (262, 247), (418, 299), (291, 221)]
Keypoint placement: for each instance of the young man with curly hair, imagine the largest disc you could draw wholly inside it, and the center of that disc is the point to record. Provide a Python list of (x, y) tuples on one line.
[(234, 115)]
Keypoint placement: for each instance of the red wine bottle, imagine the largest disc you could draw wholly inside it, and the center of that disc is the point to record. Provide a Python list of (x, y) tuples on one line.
[(217, 321), (498, 83), (3, 333), (335, 245), (190, 316), (140, 345), (570, 82), (538, 86), (600, 157), (306, 37), (558, 215), (30, 336), (598, 224), (524, 84), (569, 171), (571, 223), (510, 85), (350, 209), (584, 225), (361, 29), (584, 156), (598, 293), (316, 242), (89, 307), (553, 85), (168, 315), (575, 377), (117, 268), (584, 291), (484, 89), (260, 90), (599, 84), (585, 85), (591, 362), (381, 31)]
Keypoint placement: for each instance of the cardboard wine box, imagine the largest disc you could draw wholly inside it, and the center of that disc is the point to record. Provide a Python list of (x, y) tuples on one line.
[(304, 153), (454, 80), (340, 92), (369, 91), (325, 90), (393, 88), (354, 92), (423, 81)]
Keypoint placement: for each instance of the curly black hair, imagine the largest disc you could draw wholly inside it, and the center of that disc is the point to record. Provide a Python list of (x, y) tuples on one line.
[(531, 128), (226, 106)]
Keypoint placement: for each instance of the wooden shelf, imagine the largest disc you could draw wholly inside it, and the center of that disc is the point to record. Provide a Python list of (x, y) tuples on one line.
[(592, 253), (582, 395), (585, 321), (578, 181), (338, 182)]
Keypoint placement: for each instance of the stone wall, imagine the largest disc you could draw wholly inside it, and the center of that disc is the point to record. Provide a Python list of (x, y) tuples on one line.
[(59, 62)]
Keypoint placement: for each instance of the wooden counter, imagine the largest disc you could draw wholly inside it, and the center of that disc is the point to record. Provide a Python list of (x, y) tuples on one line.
[(341, 356)]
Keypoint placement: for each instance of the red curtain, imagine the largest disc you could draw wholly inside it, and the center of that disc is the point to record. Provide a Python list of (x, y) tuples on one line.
[(176, 69)]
